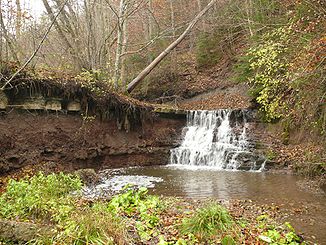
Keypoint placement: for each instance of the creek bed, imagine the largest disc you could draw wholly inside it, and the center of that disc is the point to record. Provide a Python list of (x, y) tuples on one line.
[(304, 209)]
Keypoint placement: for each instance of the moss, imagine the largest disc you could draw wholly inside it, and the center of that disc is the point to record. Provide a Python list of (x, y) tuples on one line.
[(271, 155)]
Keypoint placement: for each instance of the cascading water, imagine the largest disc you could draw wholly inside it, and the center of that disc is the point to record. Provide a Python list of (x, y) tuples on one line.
[(217, 139)]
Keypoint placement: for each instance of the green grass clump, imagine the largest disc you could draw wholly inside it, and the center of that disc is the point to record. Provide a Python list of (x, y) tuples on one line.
[(207, 222), (92, 225), (48, 201), (40, 197)]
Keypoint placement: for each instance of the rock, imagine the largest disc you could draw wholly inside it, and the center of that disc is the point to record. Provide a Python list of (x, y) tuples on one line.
[(170, 110), (323, 185), (23, 231), (173, 113), (248, 160), (36, 103), (3, 101), (53, 105), (74, 106), (4, 166), (88, 176)]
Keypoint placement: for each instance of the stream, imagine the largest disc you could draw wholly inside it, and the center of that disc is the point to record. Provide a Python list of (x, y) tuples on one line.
[(216, 159), (201, 183)]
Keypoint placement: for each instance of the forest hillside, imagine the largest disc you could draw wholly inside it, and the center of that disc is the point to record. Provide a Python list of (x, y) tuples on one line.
[(162, 122), (265, 54)]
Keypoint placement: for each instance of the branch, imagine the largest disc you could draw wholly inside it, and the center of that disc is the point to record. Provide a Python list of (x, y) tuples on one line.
[(36, 50), (149, 43), (6, 36), (159, 58)]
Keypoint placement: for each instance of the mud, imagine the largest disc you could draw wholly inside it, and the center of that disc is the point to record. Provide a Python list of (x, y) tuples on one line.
[(69, 142)]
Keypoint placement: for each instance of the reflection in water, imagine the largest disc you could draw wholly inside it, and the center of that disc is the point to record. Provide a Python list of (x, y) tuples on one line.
[(222, 184), (202, 185)]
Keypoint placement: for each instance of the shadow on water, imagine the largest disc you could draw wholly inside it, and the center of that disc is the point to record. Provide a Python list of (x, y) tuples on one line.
[(263, 188)]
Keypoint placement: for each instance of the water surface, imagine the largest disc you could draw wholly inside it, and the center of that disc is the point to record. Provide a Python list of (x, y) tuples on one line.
[(263, 188)]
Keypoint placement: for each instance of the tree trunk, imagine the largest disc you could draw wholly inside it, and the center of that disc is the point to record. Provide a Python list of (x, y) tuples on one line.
[(6, 36), (91, 46), (124, 50), (159, 58), (1, 42), (199, 5), (248, 7), (172, 18), (150, 28), (117, 64), (70, 47), (18, 19)]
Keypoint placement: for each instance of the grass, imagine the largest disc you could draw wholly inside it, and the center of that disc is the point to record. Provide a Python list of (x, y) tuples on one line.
[(95, 225), (48, 200), (40, 197), (207, 222), (132, 217)]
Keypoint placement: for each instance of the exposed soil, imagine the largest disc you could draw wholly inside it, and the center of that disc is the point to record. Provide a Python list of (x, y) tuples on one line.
[(290, 149), (191, 88), (67, 142), (232, 96)]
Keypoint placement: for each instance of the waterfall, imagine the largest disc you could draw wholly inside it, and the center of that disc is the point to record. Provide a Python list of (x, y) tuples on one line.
[(217, 139)]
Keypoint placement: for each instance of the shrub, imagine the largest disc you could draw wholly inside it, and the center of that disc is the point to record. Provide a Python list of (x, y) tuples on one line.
[(282, 235), (269, 63)]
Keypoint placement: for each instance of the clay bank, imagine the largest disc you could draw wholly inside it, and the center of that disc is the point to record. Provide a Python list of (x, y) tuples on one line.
[(63, 124)]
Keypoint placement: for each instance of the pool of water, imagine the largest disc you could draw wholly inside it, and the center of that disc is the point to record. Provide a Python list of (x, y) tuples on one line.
[(202, 183)]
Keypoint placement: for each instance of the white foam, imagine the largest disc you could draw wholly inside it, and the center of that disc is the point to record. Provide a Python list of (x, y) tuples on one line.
[(116, 183), (210, 142)]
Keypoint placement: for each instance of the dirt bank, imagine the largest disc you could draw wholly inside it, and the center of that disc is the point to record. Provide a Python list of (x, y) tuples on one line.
[(72, 142)]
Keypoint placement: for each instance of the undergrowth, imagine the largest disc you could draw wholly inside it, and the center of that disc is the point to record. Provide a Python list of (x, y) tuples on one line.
[(285, 67), (140, 206), (53, 204), (277, 234), (53, 201)]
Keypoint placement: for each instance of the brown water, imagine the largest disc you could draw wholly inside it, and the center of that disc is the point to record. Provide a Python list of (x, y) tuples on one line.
[(263, 188)]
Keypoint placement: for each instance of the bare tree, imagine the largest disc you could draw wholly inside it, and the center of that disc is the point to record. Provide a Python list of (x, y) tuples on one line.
[(122, 26), (8, 39), (159, 58), (35, 51), (18, 19), (124, 50), (62, 35), (172, 18)]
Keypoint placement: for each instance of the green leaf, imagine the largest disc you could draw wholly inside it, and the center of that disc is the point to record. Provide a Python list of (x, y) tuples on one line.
[(265, 238)]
